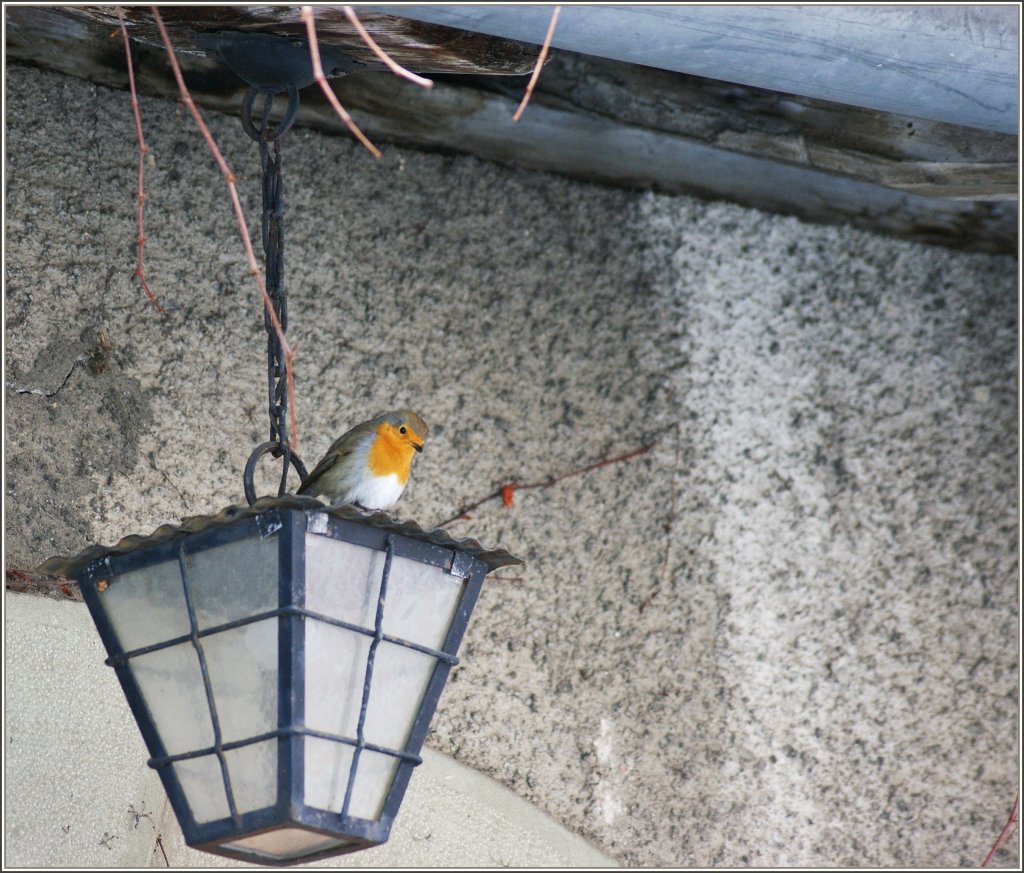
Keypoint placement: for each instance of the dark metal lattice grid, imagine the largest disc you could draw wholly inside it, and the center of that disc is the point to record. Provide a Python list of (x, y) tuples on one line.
[(290, 809)]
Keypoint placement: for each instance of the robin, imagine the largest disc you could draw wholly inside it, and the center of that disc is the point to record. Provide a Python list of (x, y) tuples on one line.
[(370, 465)]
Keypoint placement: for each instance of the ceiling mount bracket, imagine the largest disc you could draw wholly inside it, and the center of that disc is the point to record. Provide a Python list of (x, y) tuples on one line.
[(273, 63)]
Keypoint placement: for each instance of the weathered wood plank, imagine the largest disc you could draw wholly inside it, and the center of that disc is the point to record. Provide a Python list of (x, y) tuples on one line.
[(571, 131), (952, 63), (424, 47), (599, 149), (931, 158)]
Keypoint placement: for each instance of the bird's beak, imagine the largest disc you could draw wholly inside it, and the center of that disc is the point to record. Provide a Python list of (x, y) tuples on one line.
[(418, 446)]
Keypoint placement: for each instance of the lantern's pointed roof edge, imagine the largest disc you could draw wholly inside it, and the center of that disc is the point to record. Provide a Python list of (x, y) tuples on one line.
[(69, 566)]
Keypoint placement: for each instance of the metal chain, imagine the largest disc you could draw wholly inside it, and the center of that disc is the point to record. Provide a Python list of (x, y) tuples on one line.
[(273, 248)]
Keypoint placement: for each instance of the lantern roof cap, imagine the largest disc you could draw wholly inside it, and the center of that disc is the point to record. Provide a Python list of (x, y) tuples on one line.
[(70, 566)]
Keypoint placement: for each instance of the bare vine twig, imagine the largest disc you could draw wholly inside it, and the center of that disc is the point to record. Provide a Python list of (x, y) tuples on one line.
[(1004, 834), (540, 63), (395, 68), (669, 525), (143, 151), (321, 80), (506, 491)]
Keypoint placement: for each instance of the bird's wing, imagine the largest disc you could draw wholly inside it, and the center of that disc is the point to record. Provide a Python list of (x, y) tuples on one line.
[(325, 464), (344, 445)]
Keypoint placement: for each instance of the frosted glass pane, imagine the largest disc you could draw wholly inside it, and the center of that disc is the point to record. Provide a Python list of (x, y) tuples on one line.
[(335, 667), (253, 771), (343, 580), (172, 686), (326, 774), (288, 843), (326, 778), (203, 784), (234, 581), (400, 678), (242, 664), (146, 606), (374, 776), (421, 602)]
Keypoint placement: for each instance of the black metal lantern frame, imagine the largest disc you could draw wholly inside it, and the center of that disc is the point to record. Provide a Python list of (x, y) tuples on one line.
[(291, 826)]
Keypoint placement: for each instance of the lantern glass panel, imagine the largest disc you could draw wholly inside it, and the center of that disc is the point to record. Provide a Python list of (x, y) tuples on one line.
[(327, 769), (400, 678), (146, 606), (242, 665), (343, 582), (253, 771), (343, 579), (172, 687), (233, 581), (335, 667), (420, 603), (374, 775), (287, 843), (203, 784)]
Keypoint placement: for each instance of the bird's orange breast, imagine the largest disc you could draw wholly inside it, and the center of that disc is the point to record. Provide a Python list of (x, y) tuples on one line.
[(390, 456)]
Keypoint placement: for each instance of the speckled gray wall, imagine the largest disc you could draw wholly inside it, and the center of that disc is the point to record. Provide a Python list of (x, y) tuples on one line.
[(787, 634)]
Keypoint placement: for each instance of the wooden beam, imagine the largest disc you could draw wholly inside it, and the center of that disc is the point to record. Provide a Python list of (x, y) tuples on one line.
[(624, 125), (421, 46), (931, 158), (953, 63)]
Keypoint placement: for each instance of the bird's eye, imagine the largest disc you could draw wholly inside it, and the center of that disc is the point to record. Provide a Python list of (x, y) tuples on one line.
[(402, 430)]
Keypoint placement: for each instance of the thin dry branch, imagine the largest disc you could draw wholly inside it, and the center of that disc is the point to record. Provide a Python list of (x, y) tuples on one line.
[(506, 491), (395, 68), (243, 228), (1007, 828), (669, 525), (143, 151), (540, 63), (321, 80), (160, 843)]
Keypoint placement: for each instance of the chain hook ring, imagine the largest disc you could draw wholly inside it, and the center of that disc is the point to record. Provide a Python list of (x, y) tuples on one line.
[(275, 449), (270, 134)]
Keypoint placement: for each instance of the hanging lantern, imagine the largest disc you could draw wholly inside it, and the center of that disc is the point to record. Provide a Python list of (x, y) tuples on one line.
[(283, 660)]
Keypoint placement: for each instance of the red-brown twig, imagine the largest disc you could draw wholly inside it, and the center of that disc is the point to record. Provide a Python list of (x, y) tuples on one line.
[(243, 228), (160, 843), (669, 525), (540, 63), (143, 151), (321, 80), (398, 70), (1010, 822), (505, 491)]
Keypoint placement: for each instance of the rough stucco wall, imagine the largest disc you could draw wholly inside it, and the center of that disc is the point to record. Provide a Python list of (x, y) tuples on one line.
[(827, 673)]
